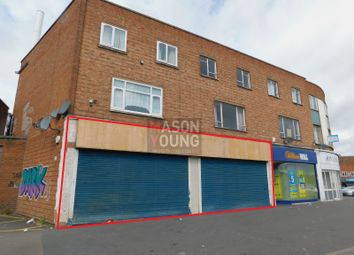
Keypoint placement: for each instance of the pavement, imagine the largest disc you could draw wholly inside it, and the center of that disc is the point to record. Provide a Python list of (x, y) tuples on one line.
[(317, 228)]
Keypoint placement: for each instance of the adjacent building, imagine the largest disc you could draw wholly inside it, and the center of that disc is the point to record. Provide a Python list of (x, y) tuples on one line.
[(128, 117), (4, 110), (347, 170)]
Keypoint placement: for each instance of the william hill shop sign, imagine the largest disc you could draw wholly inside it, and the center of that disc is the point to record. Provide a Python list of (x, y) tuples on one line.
[(294, 178), (299, 156)]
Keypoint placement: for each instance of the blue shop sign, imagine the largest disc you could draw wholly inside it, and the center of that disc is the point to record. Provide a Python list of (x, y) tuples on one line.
[(287, 154)]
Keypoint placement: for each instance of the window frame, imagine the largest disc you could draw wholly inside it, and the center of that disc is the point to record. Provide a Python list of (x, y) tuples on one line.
[(158, 51), (111, 46), (321, 138), (207, 62), (117, 109), (296, 127), (236, 117), (277, 88), (240, 83), (297, 94), (315, 101)]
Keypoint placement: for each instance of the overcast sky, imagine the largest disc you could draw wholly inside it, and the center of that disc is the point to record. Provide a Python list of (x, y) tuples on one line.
[(313, 38)]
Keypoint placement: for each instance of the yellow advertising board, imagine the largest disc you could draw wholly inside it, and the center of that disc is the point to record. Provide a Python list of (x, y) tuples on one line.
[(301, 181)]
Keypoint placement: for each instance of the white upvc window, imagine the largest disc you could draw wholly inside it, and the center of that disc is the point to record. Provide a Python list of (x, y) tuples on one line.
[(317, 133), (113, 37), (243, 78), (296, 96), (166, 53), (273, 89), (289, 128), (133, 97), (208, 67), (313, 103), (229, 116)]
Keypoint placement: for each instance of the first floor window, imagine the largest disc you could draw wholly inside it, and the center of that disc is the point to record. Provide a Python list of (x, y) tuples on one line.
[(317, 133), (243, 78), (289, 128), (229, 116), (113, 37), (207, 67), (134, 97), (295, 94), (273, 88), (167, 53)]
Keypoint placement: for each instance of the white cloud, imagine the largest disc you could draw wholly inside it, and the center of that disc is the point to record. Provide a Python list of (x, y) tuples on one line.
[(311, 38)]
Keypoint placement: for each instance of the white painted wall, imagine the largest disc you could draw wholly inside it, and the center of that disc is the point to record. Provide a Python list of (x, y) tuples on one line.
[(324, 125), (325, 161), (195, 182), (72, 156), (270, 183)]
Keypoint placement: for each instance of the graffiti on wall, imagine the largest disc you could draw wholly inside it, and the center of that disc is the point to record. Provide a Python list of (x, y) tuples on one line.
[(33, 184)]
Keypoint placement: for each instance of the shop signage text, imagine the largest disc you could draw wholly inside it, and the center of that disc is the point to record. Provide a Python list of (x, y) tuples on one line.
[(289, 154), (299, 156)]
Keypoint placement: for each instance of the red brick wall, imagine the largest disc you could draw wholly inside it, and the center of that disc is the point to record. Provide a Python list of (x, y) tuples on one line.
[(44, 84), (347, 163), (186, 93), (11, 157), (68, 64)]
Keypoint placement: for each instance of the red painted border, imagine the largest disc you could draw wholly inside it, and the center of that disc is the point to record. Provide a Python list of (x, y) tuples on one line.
[(57, 225)]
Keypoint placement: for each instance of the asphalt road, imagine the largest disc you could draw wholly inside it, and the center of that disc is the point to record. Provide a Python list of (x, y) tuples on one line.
[(320, 228)]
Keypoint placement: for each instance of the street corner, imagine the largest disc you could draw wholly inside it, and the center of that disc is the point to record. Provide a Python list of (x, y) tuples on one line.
[(18, 223)]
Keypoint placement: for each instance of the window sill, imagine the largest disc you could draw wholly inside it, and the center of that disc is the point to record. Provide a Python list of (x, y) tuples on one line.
[(112, 49), (299, 104), (291, 139), (276, 97), (212, 78), (166, 64), (136, 114), (229, 129), (250, 88)]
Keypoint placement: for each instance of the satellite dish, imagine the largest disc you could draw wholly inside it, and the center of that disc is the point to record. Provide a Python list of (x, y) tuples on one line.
[(44, 123), (54, 113), (65, 107)]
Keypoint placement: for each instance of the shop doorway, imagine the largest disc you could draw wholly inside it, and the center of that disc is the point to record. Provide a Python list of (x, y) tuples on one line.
[(331, 182)]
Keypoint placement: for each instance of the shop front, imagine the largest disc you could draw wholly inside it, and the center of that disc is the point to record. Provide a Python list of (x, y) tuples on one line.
[(113, 173), (294, 175), (328, 174)]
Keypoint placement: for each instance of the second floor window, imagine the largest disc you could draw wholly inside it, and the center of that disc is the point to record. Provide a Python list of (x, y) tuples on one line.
[(289, 128), (273, 88), (207, 67), (166, 53), (243, 78), (132, 97), (113, 37), (229, 116), (313, 103), (295, 94)]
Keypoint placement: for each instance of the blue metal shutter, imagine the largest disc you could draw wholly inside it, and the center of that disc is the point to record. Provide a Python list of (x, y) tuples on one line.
[(125, 185), (231, 184)]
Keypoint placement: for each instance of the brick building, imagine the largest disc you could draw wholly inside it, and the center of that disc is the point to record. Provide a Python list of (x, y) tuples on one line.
[(347, 169), (127, 77), (4, 109), (11, 157)]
